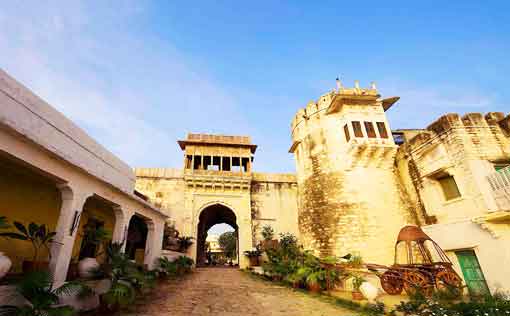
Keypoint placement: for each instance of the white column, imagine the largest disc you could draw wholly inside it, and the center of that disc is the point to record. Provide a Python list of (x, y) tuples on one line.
[(73, 201), (120, 230), (154, 243)]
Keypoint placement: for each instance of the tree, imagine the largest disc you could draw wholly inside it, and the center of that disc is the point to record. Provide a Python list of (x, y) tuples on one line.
[(228, 243)]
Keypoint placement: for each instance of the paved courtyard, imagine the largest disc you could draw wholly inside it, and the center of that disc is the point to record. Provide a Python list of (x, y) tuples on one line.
[(216, 291)]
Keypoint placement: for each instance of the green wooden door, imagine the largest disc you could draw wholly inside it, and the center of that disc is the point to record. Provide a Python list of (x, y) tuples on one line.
[(473, 275)]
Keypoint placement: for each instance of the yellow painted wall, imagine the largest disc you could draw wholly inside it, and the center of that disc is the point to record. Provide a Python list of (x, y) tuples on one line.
[(101, 212), (25, 197)]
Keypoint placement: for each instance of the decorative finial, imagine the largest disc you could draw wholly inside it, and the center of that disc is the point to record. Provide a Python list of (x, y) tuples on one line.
[(373, 86), (338, 84), (356, 84)]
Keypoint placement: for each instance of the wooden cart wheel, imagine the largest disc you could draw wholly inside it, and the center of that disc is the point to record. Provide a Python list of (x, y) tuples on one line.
[(449, 280), (416, 281), (391, 283)]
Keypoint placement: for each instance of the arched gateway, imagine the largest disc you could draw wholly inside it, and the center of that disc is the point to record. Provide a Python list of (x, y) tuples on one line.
[(210, 216)]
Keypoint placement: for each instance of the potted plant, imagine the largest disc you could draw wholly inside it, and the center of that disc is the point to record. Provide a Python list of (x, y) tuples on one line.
[(356, 283), (39, 236), (94, 237), (41, 297), (185, 242), (253, 256), (315, 280), (5, 262), (268, 234)]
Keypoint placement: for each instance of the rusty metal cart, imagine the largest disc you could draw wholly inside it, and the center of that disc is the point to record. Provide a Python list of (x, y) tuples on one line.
[(419, 264)]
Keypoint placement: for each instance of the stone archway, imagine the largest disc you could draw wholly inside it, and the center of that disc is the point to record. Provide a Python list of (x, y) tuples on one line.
[(209, 216)]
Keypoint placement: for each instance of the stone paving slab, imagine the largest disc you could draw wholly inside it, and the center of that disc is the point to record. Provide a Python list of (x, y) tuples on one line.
[(229, 292)]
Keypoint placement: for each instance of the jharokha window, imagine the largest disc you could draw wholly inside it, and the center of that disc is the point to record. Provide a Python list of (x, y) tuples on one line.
[(449, 186), (381, 127), (356, 126), (346, 132), (369, 127)]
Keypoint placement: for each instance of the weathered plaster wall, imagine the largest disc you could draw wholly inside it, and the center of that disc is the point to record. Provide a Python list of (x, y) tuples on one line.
[(274, 203), (256, 199), (465, 147), (350, 199)]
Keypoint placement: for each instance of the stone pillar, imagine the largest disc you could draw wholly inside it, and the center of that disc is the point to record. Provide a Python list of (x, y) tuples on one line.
[(120, 230), (221, 163), (192, 162), (73, 201), (154, 242)]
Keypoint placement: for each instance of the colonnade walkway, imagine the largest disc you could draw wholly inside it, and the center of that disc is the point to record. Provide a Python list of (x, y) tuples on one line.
[(229, 292)]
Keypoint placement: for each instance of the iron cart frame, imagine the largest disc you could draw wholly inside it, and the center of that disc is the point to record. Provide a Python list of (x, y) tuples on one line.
[(426, 274)]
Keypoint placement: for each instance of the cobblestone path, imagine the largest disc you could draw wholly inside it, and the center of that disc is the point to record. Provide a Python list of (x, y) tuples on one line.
[(217, 291)]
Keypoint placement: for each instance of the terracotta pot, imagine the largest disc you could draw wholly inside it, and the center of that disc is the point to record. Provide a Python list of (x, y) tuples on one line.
[(31, 266), (357, 296), (254, 261), (314, 287), (276, 277), (269, 244), (5, 264)]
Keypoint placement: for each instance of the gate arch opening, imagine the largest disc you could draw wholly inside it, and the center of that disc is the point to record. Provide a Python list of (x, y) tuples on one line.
[(210, 216)]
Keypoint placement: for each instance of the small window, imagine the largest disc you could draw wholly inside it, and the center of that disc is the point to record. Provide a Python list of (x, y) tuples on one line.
[(381, 127), (369, 127), (356, 126), (449, 186), (346, 132)]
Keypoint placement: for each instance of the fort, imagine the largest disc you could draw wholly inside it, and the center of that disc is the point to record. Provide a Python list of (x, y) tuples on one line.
[(357, 183)]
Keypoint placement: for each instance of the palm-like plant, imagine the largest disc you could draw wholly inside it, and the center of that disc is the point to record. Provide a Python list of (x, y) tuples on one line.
[(42, 297), (38, 235), (185, 242), (4, 223)]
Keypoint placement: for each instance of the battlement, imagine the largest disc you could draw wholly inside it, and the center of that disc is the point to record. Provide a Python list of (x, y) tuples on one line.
[(451, 121), (333, 101)]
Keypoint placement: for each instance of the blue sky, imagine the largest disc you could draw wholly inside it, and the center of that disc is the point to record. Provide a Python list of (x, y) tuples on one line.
[(139, 75)]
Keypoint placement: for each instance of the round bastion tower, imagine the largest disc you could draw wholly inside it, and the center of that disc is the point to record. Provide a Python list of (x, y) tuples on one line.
[(350, 200)]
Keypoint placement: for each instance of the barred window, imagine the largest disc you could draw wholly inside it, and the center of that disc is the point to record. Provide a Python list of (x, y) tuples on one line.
[(356, 126), (381, 127), (369, 127)]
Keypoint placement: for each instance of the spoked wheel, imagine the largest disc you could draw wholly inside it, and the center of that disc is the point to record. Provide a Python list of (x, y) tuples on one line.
[(416, 281), (392, 283), (447, 280)]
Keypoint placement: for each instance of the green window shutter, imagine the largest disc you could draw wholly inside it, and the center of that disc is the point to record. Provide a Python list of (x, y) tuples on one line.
[(473, 275)]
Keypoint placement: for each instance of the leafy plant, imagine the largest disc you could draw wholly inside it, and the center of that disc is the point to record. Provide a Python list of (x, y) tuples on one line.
[(184, 264), (228, 243), (93, 237), (38, 235), (167, 267), (267, 232), (357, 280), (185, 242), (42, 297), (355, 261), (4, 224)]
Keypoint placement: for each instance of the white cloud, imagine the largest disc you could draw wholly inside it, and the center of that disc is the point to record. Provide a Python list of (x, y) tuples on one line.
[(134, 97)]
